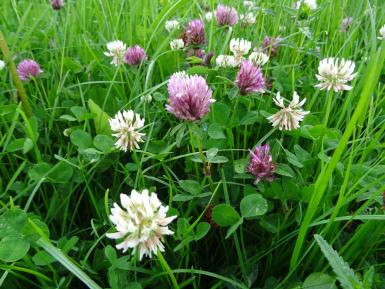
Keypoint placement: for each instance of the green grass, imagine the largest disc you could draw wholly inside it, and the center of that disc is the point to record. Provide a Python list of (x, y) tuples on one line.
[(60, 175)]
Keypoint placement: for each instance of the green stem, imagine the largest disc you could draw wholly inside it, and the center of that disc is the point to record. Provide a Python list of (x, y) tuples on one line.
[(328, 107), (165, 266), (15, 77)]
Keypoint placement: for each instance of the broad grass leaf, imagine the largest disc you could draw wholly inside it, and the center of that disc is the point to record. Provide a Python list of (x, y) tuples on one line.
[(101, 118)]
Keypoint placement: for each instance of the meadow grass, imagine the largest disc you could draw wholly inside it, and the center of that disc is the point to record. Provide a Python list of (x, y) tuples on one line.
[(60, 173)]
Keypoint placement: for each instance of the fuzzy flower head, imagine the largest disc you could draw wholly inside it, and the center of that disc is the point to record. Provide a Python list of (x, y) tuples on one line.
[(258, 58), (346, 23), (226, 61), (140, 223), (189, 96), (28, 69), (248, 18), (126, 125), (2, 65), (333, 74), (116, 50), (309, 4), (226, 15), (248, 4), (261, 164), (249, 78), (270, 45), (57, 4), (240, 46), (135, 55), (195, 33), (171, 25), (289, 117), (209, 16), (382, 33), (176, 44)]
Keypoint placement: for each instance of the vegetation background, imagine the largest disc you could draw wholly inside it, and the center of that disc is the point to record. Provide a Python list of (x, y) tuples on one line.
[(60, 173)]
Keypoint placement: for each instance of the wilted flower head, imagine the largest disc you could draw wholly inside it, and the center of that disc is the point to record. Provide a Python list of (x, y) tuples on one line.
[(176, 44), (189, 96), (126, 125), (345, 24), (258, 58), (270, 45), (334, 74), (249, 78), (225, 61), (289, 117), (195, 33), (310, 4), (171, 25), (141, 223), (135, 55), (57, 4), (209, 16), (226, 15), (116, 50), (27, 69), (382, 33), (248, 18), (2, 65), (261, 164)]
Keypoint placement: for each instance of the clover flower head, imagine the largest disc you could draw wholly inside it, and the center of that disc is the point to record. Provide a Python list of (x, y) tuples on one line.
[(249, 78), (261, 163), (172, 25), (116, 50), (176, 44), (28, 69), (225, 61), (141, 223), (226, 15), (258, 58)]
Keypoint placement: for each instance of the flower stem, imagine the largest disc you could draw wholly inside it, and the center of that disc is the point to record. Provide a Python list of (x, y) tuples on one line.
[(329, 107), (165, 266), (15, 77)]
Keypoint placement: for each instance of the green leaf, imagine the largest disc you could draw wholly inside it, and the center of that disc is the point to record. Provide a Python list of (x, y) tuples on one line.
[(12, 222), (240, 166), (39, 171), (319, 280), (16, 145), (13, 248), (190, 186), (284, 170), (101, 118), (225, 215), (81, 139), (345, 275), (215, 131), (202, 229), (250, 118), (42, 258), (27, 146), (104, 143), (134, 285), (233, 228), (221, 113), (253, 205), (61, 173)]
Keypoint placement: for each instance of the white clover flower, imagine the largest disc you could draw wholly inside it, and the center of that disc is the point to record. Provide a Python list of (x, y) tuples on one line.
[(209, 16), (334, 74), (382, 33), (126, 125), (248, 4), (311, 4), (2, 65), (176, 44), (116, 50), (171, 25), (258, 58), (289, 117), (239, 46), (141, 223), (247, 19), (225, 61)]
